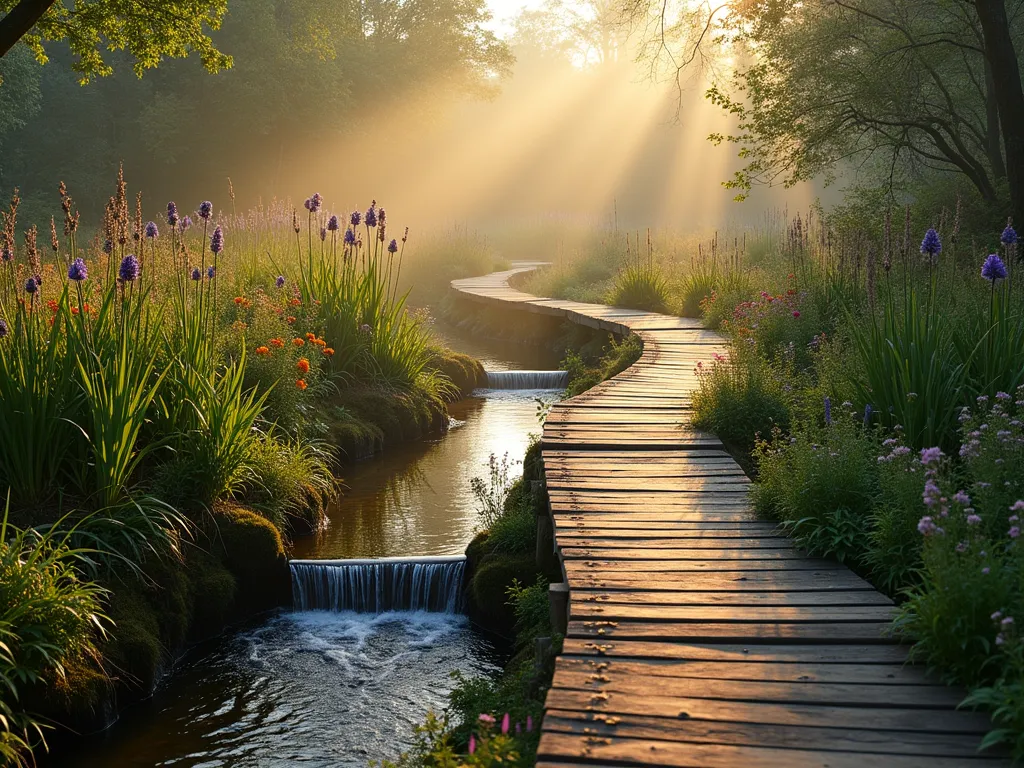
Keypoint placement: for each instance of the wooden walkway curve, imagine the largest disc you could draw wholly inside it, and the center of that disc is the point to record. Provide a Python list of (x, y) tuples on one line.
[(699, 635)]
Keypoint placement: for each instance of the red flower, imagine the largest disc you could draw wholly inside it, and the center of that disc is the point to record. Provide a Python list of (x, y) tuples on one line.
[(795, 313), (303, 365), (300, 383)]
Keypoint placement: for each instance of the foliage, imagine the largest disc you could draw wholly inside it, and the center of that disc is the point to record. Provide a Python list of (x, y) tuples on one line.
[(492, 493), (514, 532), (640, 286), (616, 357)]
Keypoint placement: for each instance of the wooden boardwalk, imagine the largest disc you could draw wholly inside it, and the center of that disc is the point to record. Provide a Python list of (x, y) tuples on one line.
[(699, 635)]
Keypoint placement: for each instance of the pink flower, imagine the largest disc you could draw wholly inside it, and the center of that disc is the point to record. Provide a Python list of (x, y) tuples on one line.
[(1018, 506), (796, 313), (505, 723), (485, 718), (529, 723), (472, 743), (985, 570), (1014, 532)]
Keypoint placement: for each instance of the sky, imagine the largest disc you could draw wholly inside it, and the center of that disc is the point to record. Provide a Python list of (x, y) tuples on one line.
[(505, 10)]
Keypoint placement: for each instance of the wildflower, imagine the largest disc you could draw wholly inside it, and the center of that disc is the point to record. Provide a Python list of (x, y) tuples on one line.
[(926, 526), (323, 233), (1014, 532), (129, 270), (1000, 639), (930, 455), (795, 312), (295, 302), (185, 223), (867, 414), (332, 224), (77, 271), (931, 246), (485, 718), (30, 286), (298, 342), (108, 246), (961, 547), (3, 328), (302, 365), (828, 410), (217, 240), (505, 719), (205, 210), (472, 743), (320, 342), (1018, 506), (239, 299), (349, 238), (1009, 236), (172, 214), (290, 319), (329, 351), (973, 519), (1007, 621), (1003, 396), (931, 493), (310, 336), (985, 570), (277, 342), (371, 216), (7, 255), (993, 269), (393, 245), (301, 384), (962, 498), (211, 272), (196, 274), (262, 350), (529, 723), (280, 281), (355, 218), (151, 230)]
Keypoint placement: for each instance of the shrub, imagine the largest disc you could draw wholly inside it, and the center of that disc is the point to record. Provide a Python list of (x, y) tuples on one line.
[(514, 532), (492, 493), (617, 357), (640, 286)]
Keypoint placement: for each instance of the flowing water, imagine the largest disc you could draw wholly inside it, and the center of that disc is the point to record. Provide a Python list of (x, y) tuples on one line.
[(343, 687)]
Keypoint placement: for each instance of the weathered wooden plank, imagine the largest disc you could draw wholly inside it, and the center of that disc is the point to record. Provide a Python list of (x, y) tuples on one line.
[(733, 614), (863, 655), (663, 555), (784, 580), (600, 598), (735, 632), (617, 540)]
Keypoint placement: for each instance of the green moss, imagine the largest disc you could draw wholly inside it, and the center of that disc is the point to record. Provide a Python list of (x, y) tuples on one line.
[(464, 372), (134, 653), (365, 420), (488, 590), (252, 549)]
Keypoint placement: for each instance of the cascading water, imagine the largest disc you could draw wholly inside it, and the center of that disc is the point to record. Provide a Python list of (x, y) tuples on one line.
[(527, 379), (376, 586)]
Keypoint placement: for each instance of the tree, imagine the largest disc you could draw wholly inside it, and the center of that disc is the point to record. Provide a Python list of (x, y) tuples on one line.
[(148, 30)]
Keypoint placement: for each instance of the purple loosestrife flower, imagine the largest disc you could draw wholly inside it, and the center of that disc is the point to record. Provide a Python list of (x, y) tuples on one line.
[(381, 216), (196, 274), (205, 210), (350, 237), (505, 720), (332, 224), (355, 218), (393, 248), (78, 271), (3, 328), (371, 217), (211, 272), (931, 246), (993, 269), (172, 214), (151, 230), (280, 281), (316, 201), (129, 270), (30, 286), (828, 411), (1009, 236), (217, 240)]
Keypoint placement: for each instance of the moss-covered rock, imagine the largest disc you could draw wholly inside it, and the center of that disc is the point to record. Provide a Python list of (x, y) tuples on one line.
[(363, 421), (251, 548), (464, 372), (487, 596)]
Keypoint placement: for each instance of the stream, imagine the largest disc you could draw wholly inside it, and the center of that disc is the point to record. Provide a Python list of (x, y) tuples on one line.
[(323, 688)]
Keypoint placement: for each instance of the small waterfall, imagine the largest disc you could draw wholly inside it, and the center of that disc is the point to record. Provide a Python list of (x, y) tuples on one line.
[(376, 586), (527, 379)]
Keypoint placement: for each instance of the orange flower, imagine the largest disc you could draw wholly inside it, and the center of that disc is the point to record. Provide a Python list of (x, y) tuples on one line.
[(239, 299), (300, 383), (329, 351), (295, 302), (52, 304), (303, 365), (310, 336), (290, 320), (262, 350), (277, 343), (298, 342), (74, 310), (320, 342)]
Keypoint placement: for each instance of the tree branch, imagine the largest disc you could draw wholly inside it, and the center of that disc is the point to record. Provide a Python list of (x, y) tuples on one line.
[(20, 20)]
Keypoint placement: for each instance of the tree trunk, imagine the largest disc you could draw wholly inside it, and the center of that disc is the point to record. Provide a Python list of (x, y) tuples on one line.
[(1009, 95), (993, 137), (22, 17)]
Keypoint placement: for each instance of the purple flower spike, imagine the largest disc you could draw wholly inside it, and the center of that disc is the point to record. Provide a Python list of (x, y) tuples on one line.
[(6, 255), (172, 214), (1009, 236), (316, 201), (211, 272), (129, 270), (931, 246), (350, 237), (151, 230), (3, 328), (280, 281), (381, 216), (355, 218), (205, 210), (828, 410), (993, 269), (332, 224), (371, 217), (393, 246), (78, 271), (196, 274), (217, 240), (323, 233), (186, 222), (108, 247), (308, 204), (30, 285)]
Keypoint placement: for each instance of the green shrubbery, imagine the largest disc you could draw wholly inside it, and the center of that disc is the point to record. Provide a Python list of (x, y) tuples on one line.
[(640, 286), (589, 371)]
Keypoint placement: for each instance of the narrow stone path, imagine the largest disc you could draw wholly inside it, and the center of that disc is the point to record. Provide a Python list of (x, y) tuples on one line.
[(699, 635)]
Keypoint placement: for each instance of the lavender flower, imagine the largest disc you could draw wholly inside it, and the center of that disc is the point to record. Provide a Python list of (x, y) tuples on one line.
[(30, 285), (129, 270), (1009, 236), (332, 224), (280, 281), (172, 214), (186, 222), (350, 237), (828, 411), (3, 328), (930, 455), (381, 216), (211, 272), (217, 240), (393, 248), (355, 218), (205, 210), (196, 274), (931, 246), (151, 230), (316, 201), (323, 234), (993, 269), (77, 271), (371, 217), (867, 408), (308, 204)]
